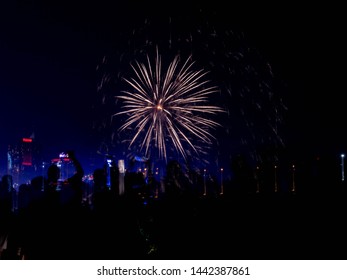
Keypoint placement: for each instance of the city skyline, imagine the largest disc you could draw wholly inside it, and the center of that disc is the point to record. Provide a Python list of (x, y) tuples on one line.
[(50, 54)]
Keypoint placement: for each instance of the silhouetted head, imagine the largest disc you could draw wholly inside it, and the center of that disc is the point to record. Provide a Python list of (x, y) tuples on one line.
[(7, 182), (37, 182), (99, 177), (53, 173)]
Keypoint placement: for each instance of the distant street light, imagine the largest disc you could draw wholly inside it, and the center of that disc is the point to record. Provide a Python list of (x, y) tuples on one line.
[(342, 167), (276, 186), (257, 177), (293, 178), (205, 190), (221, 181)]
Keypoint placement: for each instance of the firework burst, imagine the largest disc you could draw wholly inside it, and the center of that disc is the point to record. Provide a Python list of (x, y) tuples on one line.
[(250, 91), (170, 106)]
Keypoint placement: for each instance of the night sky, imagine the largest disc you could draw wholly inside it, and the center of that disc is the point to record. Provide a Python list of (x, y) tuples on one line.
[(51, 61)]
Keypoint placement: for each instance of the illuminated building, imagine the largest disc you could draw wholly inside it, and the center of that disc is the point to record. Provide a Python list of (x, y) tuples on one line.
[(66, 166), (22, 160)]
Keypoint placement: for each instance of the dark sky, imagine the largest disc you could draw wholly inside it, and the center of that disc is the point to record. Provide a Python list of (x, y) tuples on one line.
[(49, 51)]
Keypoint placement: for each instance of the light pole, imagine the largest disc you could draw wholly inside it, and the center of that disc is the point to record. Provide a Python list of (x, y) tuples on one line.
[(221, 181), (342, 167), (293, 177), (205, 182), (276, 186), (43, 176), (257, 178)]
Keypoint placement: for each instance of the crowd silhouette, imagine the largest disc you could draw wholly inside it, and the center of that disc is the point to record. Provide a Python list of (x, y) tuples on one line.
[(184, 216)]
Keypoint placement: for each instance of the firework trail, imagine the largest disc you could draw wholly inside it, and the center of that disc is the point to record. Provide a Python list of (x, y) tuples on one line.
[(169, 107)]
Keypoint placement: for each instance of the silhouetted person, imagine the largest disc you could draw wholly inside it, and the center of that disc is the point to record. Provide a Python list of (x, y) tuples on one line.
[(41, 220), (56, 224), (102, 197), (115, 231), (173, 227), (7, 218), (6, 194), (24, 197), (177, 184), (244, 179), (9, 244), (71, 188), (74, 216)]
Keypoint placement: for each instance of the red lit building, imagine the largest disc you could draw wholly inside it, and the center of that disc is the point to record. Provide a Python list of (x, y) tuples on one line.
[(22, 160)]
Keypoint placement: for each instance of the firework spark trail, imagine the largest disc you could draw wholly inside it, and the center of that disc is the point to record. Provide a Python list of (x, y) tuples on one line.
[(250, 91), (169, 106)]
